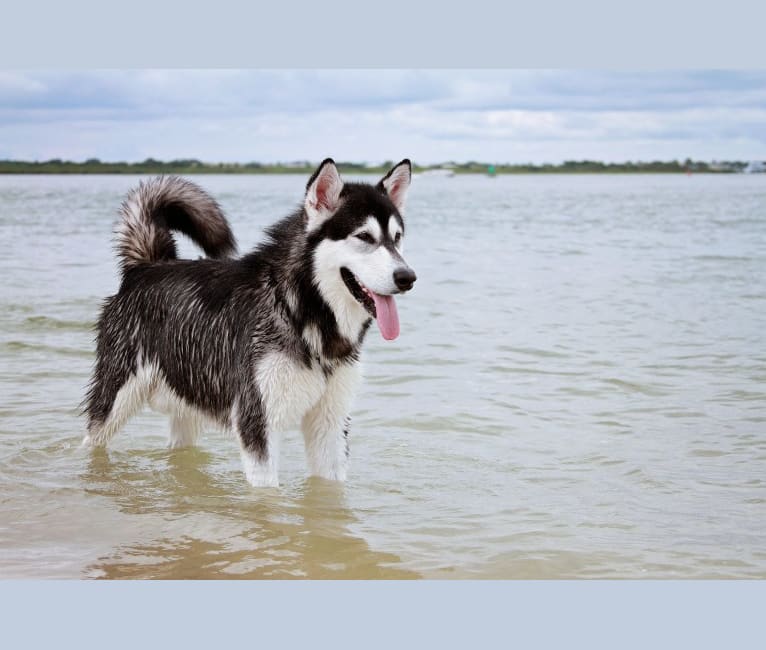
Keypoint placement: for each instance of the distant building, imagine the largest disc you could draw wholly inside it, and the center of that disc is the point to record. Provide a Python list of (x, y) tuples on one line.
[(755, 167), (721, 166), (437, 171)]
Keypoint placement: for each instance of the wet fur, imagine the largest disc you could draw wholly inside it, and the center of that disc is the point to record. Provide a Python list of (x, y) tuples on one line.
[(250, 344)]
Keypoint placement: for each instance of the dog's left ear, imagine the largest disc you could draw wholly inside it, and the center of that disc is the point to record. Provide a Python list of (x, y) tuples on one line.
[(322, 194), (397, 183)]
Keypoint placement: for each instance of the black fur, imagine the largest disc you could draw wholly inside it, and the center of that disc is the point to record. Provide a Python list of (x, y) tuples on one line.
[(205, 324)]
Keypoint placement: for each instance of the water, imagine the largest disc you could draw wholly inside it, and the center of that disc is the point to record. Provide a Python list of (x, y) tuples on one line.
[(578, 391)]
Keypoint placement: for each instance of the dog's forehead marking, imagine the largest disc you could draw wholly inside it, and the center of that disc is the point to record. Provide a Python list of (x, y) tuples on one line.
[(361, 205), (393, 226), (372, 226)]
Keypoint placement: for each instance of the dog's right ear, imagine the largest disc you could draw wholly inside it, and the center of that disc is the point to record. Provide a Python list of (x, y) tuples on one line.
[(322, 194)]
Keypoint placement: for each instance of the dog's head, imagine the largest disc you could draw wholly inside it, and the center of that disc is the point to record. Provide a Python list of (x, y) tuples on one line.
[(357, 231)]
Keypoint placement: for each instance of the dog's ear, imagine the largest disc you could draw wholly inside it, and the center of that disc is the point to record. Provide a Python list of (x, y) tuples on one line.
[(322, 194), (397, 183)]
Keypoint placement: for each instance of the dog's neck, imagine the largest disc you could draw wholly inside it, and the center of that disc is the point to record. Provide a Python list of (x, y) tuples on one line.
[(344, 332), (319, 306)]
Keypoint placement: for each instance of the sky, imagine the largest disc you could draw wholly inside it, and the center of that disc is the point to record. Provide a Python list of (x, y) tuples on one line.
[(430, 116)]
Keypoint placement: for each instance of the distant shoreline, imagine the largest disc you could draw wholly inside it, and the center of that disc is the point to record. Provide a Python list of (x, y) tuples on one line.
[(189, 167)]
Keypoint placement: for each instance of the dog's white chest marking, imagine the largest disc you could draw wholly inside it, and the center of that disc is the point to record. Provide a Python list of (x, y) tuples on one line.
[(288, 389)]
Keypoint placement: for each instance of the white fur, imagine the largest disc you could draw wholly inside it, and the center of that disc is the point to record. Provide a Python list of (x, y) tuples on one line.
[(185, 429), (374, 269), (371, 227), (292, 300), (288, 389), (261, 472), (295, 394), (372, 264), (377, 272), (186, 421), (393, 230), (129, 400), (313, 338), (323, 425), (329, 257), (148, 385)]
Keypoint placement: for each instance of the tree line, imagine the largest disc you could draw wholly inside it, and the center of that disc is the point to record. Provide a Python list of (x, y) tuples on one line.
[(193, 166)]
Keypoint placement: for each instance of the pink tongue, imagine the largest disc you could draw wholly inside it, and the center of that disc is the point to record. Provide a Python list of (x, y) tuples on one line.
[(387, 316)]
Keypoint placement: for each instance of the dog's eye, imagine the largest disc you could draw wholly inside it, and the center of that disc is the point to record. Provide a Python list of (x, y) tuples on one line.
[(398, 238), (365, 237)]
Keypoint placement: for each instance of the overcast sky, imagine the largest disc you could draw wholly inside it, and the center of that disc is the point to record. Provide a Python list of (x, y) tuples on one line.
[(374, 115)]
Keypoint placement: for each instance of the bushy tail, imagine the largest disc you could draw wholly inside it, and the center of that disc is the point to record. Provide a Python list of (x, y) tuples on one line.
[(163, 204)]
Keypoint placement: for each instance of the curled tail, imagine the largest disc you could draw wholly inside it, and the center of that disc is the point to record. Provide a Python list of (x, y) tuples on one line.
[(164, 204)]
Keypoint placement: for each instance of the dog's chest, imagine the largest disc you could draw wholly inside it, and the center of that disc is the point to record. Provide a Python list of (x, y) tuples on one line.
[(288, 388)]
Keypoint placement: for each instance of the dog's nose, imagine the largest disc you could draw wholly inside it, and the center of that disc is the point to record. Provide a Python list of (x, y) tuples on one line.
[(404, 279)]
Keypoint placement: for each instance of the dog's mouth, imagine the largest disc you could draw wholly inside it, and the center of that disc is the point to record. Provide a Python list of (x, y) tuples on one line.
[(381, 308), (359, 291)]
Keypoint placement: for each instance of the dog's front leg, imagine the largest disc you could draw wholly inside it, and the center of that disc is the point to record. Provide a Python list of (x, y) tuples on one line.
[(325, 427), (259, 447), (326, 438)]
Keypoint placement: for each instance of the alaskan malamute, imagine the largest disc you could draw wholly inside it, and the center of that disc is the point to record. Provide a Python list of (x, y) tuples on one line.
[(257, 343)]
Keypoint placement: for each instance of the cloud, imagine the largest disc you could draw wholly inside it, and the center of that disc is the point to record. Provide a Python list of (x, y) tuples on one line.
[(430, 115)]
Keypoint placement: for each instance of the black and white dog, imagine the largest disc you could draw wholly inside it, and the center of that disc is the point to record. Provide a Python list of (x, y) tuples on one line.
[(259, 343)]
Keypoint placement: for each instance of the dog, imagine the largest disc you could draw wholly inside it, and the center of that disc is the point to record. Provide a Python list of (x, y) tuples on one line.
[(256, 344)]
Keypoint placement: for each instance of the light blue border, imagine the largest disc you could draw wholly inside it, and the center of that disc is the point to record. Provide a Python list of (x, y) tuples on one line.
[(396, 615), (393, 33), (646, 615)]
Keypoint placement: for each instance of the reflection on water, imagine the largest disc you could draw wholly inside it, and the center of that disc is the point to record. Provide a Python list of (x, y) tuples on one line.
[(302, 534)]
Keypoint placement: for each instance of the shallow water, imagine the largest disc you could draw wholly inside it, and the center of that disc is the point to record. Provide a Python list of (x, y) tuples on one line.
[(578, 391)]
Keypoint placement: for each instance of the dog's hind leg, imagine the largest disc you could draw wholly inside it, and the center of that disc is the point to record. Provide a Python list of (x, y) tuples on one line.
[(185, 427), (325, 427), (259, 447), (112, 400)]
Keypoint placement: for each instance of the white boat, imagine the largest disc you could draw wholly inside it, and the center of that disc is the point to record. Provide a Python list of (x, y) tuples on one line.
[(439, 171), (755, 167)]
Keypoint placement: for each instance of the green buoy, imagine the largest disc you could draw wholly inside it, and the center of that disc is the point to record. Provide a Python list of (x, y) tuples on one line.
[(491, 170)]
